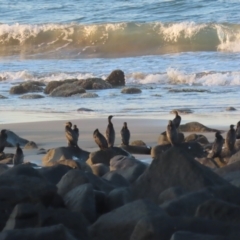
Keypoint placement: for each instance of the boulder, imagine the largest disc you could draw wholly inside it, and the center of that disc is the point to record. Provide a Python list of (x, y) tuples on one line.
[(116, 78), (162, 140), (234, 158), (3, 168), (27, 87), (187, 204), (94, 83), (197, 138), (82, 199), (182, 110), (228, 169), (131, 90), (138, 143), (54, 173), (67, 90), (149, 228), (31, 145), (230, 109), (194, 149), (63, 153), (215, 209), (47, 233), (88, 95), (120, 223), (136, 149), (122, 162), (52, 85), (169, 170), (116, 179), (32, 96), (182, 235), (196, 127), (104, 156), (99, 169), (13, 139)]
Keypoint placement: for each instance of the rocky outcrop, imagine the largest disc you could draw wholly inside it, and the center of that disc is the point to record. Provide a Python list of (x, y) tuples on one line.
[(27, 87), (131, 90), (196, 127), (67, 90), (116, 78), (94, 83)]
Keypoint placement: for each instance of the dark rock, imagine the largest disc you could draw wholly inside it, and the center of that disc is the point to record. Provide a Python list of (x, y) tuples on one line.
[(149, 228), (197, 138), (234, 158), (122, 162), (26, 87), (24, 215), (184, 90), (3, 168), (2, 97), (116, 78), (99, 169), (47, 233), (82, 199), (131, 90), (228, 169), (52, 85), (231, 109), (70, 180), (75, 164), (136, 149), (195, 236), (13, 139), (67, 90), (74, 221), (101, 202), (118, 197), (55, 173), (89, 95), (178, 162), (215, 209), (32, 96), (63, 153), (116, 179), (94, 83), (170, 194), (187, 204), (9, 197), (138, 143), (30, 145), (120, 223), (85, 110), (196, 127), (194, 149), (163, 140), (104, 156)]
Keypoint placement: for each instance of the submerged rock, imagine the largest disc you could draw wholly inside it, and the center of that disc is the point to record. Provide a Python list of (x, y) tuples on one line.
[(31, 96), (131, 90)]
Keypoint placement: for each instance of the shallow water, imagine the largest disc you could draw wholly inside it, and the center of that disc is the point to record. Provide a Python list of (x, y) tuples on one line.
[(181, 54)]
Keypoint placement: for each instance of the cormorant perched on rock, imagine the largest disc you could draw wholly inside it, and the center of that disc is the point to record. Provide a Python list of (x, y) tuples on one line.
[(230, 138), (100, 140), (171, 133), (76, 130), (125, 134), (110, 132), (217, 146), (177, 119), (238, 131), (3, 140), (71, 135), (18, 157)]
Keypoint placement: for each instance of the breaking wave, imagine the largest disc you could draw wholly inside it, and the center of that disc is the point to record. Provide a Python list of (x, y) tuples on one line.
[(116, 39)]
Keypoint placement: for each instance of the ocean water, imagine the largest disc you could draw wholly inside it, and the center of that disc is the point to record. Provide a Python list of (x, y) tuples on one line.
[(181, 54)]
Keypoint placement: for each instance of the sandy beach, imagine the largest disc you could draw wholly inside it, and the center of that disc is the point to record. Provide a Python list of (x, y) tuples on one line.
[(50, 134)]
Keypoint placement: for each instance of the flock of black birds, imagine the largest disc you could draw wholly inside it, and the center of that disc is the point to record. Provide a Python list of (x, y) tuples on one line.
[(102, 141), (72, 135)]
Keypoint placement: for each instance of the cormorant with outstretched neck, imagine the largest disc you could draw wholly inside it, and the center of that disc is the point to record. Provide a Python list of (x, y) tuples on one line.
[(3, 140), (171, 133), (177, 119), (18, 156), (230, 138), (110, 132), (125, 134), (71, 135), (238, 131), (100, 140), (217, 145)]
